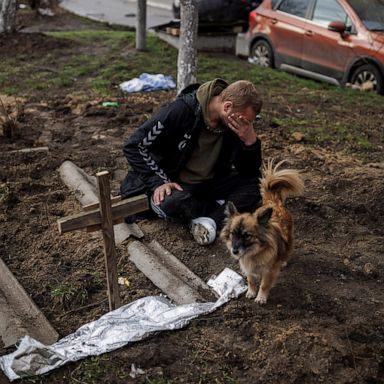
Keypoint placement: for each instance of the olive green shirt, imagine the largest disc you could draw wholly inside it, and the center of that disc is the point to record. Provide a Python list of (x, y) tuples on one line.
[(202, 162)]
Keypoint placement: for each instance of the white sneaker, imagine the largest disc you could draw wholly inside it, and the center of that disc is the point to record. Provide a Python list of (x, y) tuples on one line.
[(203, 230)]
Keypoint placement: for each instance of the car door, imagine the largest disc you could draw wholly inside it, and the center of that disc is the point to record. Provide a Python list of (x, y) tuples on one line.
[(287, 28), (324, 51)]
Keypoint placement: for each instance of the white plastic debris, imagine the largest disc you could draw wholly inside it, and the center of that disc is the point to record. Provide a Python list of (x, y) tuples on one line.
[(147, 82), (132, 322), (135, 372)]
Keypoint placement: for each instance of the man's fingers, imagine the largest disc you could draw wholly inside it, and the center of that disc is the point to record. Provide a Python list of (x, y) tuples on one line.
[(177, 186), (238, 121), (234, 123), (165, 189)]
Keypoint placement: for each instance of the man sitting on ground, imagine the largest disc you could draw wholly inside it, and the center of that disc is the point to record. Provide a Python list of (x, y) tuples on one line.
[(196, 153)]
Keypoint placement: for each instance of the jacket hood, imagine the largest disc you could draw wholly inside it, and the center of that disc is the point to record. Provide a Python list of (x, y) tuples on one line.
[(206, 91)]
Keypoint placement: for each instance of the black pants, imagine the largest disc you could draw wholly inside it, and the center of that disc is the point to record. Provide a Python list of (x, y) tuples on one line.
[(202, 199)]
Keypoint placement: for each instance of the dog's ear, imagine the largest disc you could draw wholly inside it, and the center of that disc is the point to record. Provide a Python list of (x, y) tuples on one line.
[(230, 209), (264, 216)]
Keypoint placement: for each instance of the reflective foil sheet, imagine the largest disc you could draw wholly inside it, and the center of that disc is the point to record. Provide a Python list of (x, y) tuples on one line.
[(131, 322)]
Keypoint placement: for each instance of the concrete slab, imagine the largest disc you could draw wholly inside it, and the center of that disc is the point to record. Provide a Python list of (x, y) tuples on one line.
[(160, 266), (242, 45), (85, 190), (19, 315), (168, 273)]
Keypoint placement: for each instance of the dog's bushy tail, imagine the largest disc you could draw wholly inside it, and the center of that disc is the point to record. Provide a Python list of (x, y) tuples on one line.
[(280, 183)]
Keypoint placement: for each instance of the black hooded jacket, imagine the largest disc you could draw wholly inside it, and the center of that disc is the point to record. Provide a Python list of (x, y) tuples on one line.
[(161, 147)]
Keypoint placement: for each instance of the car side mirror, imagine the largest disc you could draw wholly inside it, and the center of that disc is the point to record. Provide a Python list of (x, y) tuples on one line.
[(337, 26)]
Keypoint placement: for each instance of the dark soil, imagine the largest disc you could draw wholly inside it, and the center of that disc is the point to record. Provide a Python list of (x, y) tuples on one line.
[(324, 320)]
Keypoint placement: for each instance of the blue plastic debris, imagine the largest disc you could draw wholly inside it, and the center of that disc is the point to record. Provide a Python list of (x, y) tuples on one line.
[(147, 83)]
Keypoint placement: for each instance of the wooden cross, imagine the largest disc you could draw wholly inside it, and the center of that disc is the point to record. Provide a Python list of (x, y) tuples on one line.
[(103, 216)]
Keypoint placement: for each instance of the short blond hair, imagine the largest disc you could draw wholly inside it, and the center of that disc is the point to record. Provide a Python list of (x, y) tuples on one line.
[(242, 94)]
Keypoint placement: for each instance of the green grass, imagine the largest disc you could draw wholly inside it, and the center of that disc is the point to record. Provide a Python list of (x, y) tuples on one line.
[(92, 370), (68, 67), (96, 61), (4, 193), (68, 295), (64, 292)]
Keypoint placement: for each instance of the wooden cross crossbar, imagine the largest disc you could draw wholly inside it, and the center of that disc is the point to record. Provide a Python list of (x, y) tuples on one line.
[(91, 218), (102, 216)]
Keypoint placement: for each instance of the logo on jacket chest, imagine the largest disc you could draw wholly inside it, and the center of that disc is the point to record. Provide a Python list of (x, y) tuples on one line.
[(183, 143)]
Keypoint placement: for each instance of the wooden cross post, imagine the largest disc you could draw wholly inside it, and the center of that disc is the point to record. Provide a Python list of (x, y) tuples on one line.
[(109, 239), (102, 216)]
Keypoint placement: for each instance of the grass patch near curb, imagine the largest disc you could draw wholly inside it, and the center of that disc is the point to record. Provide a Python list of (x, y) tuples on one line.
[(97, 61)]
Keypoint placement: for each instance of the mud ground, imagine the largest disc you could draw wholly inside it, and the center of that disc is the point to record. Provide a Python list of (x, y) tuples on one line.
[(324, 320)]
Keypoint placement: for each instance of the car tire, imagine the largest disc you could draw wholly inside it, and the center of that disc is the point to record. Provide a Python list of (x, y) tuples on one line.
[(262, 54), (367, 77)]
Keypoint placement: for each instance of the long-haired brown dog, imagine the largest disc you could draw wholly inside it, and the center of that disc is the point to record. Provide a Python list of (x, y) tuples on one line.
[(262, 241)]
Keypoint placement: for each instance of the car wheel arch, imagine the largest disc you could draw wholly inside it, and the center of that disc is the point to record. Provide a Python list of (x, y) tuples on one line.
[(366, 61), (261, 37), (358, 62)]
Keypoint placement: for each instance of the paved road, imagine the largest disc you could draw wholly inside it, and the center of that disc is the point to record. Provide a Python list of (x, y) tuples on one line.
[(122, 12)]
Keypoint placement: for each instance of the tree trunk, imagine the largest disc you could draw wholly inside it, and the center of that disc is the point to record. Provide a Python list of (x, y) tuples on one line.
[(187, 57), (7, 15), (141, 25)]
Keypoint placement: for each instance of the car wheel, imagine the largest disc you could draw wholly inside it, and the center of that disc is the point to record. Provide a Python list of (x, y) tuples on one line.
[(368, 78), (261, 54)]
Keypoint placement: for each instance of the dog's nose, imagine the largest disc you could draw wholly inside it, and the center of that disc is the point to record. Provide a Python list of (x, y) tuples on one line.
[(235, 251)]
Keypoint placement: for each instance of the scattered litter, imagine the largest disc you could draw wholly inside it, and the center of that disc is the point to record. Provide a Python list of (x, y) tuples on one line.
[(45, 12), (123, 281), (110, 104), (147, 83), (298, 136), (28, 150), (369, 269), (135, 372), (131, 322), (99, 137), (367, 86)]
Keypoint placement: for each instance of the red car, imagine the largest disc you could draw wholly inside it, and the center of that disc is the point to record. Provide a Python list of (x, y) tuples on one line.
[(338, 41)]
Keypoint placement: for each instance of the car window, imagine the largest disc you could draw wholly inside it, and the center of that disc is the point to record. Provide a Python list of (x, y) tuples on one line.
[(294, 7), (329, 10), (371, 13)]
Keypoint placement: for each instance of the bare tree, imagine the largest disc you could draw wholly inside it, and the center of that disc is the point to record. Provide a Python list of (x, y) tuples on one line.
[(141, 25), (187, 57), (7, 16)]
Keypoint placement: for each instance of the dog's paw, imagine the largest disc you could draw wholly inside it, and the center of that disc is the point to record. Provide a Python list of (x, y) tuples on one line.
[(250, 294), (261, 298)]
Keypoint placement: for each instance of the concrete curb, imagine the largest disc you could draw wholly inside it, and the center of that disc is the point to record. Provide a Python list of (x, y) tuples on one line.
[(19, 315), (169, 274)]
